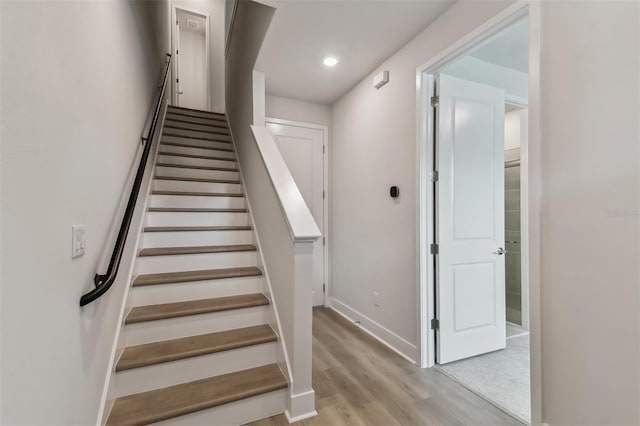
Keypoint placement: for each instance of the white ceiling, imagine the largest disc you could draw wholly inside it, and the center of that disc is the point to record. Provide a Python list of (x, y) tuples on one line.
[(509, 48), (361, 33)]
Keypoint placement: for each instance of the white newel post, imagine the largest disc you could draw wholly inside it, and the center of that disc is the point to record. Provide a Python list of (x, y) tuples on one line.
[(302, 396)]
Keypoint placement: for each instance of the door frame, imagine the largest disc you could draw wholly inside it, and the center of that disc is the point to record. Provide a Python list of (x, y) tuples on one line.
[(530, 154), (524, 217), (207, 36), (325, 201)]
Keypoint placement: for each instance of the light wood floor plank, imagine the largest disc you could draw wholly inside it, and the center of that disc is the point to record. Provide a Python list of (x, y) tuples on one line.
[(359, 381)]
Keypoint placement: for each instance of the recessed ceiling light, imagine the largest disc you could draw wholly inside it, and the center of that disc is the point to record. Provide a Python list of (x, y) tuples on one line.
[(330, 61)]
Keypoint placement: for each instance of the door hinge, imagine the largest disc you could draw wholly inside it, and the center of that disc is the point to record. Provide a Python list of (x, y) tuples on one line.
[(435, 324), (323, 194), (177, 80), (435, 101), (323, 149), (324, 241), (177, 51), (433, 176), (434, 249), (324, 288)]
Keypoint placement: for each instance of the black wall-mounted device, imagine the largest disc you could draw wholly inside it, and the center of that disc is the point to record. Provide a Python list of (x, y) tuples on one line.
[(394, 192)]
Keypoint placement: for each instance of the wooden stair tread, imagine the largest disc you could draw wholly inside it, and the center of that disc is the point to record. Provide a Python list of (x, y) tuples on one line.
[(172, 132), (190, 119), (195, 210), (204, 157), (192, 346), (196, 228), (199, 194), (194, 307), (189, 166), (192, 179), (202, 275), (210, 148), (172, 124), (177, 124), (185, 398), (173, 251), (179, 108)]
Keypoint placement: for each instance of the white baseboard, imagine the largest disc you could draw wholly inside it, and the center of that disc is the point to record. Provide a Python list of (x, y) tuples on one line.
[(388, 338), (299, 418), (301, 406)]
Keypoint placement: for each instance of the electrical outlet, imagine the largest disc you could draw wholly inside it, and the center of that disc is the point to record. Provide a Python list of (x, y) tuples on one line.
[(78, 240), (376, 298)]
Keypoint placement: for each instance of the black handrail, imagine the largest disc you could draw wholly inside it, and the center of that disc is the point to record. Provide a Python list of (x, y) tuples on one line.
[(104, 281)]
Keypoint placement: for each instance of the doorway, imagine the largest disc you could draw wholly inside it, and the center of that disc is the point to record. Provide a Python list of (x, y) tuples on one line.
[(191, 67), (474, 214), (303, 147)]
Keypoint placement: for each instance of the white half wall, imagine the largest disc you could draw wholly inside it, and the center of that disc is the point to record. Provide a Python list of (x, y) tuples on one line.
[(590, 184), (77, 83), (374, 237)]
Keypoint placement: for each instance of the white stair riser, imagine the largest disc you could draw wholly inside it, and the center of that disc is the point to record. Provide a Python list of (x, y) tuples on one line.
[(235, 413), (190, 161), (181, 201), (183, 185), (195, 290), (189, 369), (154, 331), (196, 173), (194, 262), (193, 126), (187, 120), (210, 152), (196, 219), (191, 146), (224, 144), (195, 238), (195, 134)]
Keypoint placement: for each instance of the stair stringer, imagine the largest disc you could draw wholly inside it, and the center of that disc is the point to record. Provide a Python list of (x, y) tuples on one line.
[(129, 259), (282, 357)]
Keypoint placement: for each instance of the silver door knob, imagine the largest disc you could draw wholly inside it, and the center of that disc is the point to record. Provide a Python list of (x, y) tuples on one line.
[(500, 251)]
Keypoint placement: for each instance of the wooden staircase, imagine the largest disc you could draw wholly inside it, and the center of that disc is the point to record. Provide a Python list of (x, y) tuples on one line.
[(198, 345)]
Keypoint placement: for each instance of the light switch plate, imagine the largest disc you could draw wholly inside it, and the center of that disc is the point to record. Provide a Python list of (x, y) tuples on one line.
[(78, 240)]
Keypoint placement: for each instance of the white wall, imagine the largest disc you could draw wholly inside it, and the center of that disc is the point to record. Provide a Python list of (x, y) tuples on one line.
[(216, 11), (193, 68), (515, 83), (512, 129), (590, 173), (77, 81), (590, 246), (374, 238), (295, 110)]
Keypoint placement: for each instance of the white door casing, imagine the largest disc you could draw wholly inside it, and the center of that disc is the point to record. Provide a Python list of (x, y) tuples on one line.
[(470, 283), (302, 150)]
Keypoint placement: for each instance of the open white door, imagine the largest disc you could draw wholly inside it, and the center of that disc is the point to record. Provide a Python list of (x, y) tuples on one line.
[(470, 215), (301, 149)]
